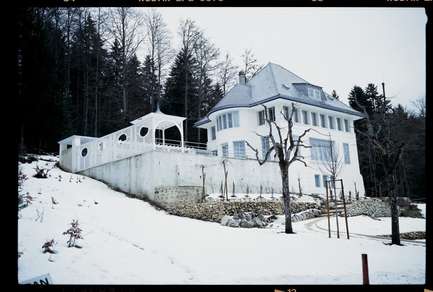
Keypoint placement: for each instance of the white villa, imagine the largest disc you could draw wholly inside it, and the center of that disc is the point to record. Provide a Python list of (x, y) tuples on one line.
[(135, 161)]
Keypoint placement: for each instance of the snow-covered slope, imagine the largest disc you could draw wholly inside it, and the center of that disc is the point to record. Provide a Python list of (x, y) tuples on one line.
[(127, 241)]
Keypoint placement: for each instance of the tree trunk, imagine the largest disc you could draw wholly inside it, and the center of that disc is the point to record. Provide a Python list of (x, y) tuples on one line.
[(395, 230), (286, 197)]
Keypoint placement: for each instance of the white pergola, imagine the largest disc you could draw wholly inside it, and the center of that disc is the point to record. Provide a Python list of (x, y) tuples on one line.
[(159, 121)]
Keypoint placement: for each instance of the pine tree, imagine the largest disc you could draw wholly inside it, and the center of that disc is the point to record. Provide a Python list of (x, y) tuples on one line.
[(151, 88), (174, 96)]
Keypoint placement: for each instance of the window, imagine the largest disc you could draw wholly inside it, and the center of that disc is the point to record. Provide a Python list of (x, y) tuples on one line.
[(224, 122), (322, 121), (265, 146), (339, 126), (143, 131), (239, 149), (346, 125), (236, 119), (314, 119), (321, 149), (122, 138), (230, 121), (213, 133), (214, 152), (286, 111), (271, 113), (317, 94), (295, 115), (331, 122), (261, 117), (84, 152), (325, 178), (317, 180), (305, 117), (219, 123), (225, 149), (346, 153)]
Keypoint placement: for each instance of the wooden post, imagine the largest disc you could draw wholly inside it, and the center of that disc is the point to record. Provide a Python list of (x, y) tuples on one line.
[(233, 195), (327, 210), (365, 279), (345, 211), (336, 213)]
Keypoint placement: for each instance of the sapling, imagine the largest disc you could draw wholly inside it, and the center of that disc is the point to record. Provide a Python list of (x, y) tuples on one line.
[(74, 233)]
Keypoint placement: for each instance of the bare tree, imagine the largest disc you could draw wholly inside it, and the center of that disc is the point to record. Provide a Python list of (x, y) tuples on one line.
[(159, 45), (125, 23), (227, 73), (249, 64), (206, 55), (286, 148), (189, 34), (389, 152), (420, 107), (333, 163)]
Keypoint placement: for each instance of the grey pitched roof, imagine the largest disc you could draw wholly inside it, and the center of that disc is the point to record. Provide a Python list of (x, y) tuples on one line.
[(272, 82)]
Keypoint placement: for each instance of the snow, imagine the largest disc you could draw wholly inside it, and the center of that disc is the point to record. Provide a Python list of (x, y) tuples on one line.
[(369, 226), (127, 241), (422, 208)]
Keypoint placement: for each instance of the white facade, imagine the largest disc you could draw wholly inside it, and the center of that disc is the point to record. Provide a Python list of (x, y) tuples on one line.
[(248, 127)]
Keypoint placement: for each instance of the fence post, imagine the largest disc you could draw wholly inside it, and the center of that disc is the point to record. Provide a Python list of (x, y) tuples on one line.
[(327, 210), (365, 279)]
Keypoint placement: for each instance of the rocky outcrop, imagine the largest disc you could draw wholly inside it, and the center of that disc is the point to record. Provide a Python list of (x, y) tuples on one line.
[(370, 207), (307, 214)]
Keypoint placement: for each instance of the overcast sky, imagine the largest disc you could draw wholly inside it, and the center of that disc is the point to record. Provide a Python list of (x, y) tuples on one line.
[(335, 48)]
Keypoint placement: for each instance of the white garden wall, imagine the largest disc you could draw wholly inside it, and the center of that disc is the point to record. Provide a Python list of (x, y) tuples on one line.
[(142, 174)]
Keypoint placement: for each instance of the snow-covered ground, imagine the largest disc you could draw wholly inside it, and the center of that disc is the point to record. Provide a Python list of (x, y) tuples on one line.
[(422, 208), (127, 241)]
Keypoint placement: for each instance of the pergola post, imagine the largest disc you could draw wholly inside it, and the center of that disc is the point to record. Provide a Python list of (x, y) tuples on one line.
[(153, 134), (181, 137)]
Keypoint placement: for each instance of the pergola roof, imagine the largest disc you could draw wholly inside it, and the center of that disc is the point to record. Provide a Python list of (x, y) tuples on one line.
[(159, 120)]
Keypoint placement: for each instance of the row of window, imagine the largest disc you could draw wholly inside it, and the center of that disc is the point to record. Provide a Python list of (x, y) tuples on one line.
[(317, 180), (307, 119), (121, 138), (238, 149), (225, 121), (325, 150), (228, 120)]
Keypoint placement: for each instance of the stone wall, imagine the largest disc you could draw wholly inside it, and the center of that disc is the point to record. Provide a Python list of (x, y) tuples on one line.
[(178, 194), (214, 211)]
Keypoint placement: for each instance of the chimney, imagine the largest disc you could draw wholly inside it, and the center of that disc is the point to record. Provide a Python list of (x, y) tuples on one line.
[(242, 78)]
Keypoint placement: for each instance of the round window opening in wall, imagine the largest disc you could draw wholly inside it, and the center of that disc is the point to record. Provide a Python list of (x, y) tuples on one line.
[(84, 152), (122, 138), (144, 131)]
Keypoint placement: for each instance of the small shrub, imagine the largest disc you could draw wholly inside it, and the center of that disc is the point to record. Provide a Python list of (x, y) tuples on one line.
[(48, 246), (74, 233), (41, 172), (24, 200)]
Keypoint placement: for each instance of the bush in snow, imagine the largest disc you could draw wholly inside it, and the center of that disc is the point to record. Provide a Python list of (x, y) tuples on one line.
[(41, 172), (48, 246), (24, 200), (74, 233)]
